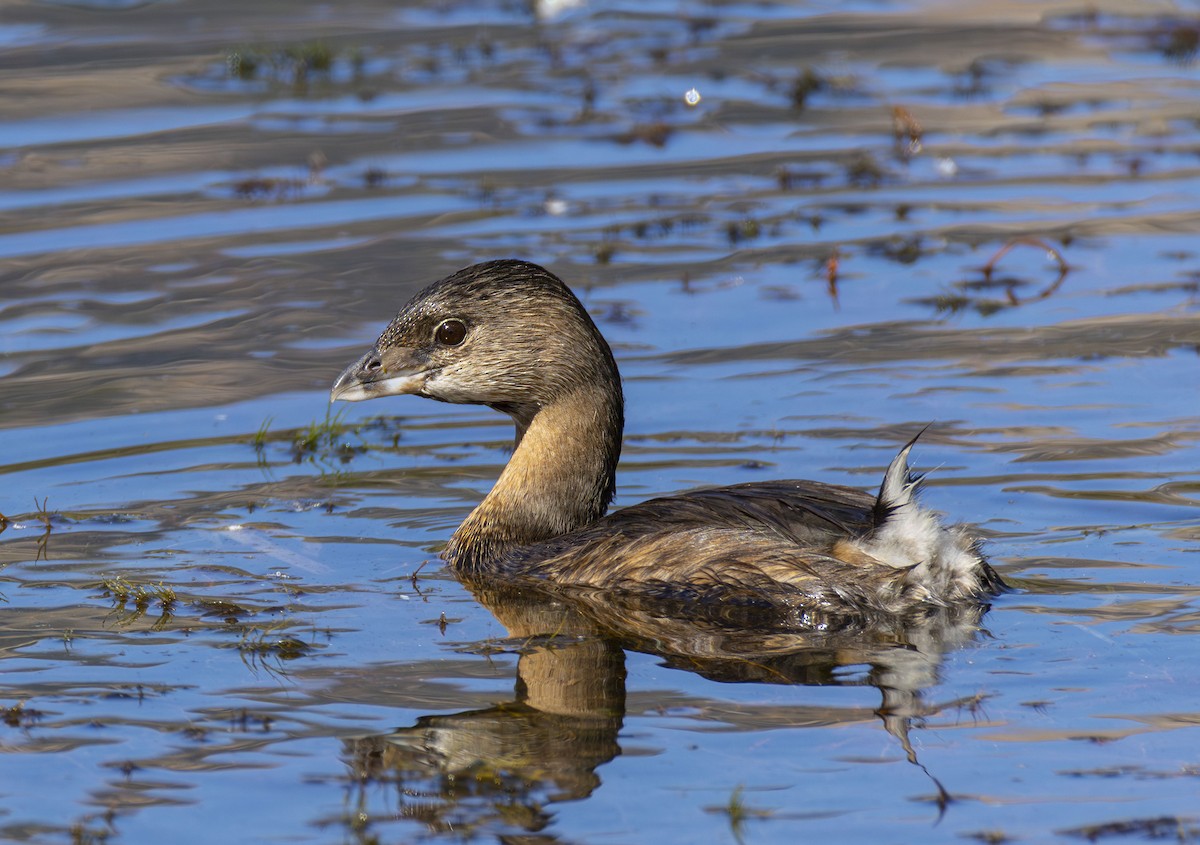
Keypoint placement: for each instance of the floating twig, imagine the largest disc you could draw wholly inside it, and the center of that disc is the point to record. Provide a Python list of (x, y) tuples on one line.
[(906, 132), (413, 578), (43, 515), (832, 265), (1027, 240)]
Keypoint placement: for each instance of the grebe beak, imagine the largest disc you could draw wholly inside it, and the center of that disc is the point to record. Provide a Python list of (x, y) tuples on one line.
[(371, 376)]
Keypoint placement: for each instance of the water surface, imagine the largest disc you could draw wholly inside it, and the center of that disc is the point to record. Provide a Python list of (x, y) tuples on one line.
[(222, 615)]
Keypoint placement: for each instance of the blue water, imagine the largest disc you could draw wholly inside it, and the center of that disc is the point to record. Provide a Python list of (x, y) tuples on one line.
[(222, 616)]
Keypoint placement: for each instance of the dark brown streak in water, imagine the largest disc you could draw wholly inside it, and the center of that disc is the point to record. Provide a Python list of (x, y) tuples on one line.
[(1125, 336)]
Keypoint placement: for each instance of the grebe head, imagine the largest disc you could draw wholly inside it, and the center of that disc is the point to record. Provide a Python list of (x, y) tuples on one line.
[(508, 334)]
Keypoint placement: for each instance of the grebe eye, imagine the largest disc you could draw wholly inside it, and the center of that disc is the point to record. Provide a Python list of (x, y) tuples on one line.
[(451, 333)]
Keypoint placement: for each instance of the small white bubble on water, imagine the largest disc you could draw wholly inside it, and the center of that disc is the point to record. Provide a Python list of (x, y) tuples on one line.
[(947, 167), (555, 206), (692, 97), (548, 9)]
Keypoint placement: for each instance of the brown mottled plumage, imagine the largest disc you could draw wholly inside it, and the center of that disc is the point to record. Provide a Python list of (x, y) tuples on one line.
[(511, 335)]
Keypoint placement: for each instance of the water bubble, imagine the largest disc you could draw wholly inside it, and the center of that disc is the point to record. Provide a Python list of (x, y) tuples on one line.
[(692, 97), (550, 9), (947, 167)]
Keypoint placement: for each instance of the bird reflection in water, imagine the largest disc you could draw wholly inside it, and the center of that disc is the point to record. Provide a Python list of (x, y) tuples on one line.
[(497, 770)]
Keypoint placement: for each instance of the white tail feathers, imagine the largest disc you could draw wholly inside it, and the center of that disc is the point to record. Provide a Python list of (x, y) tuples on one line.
[(899, 486), (942, 562)]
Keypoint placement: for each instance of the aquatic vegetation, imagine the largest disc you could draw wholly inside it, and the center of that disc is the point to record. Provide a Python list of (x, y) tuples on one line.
[(313, 56), (788, 178), (323, 437), (82, 834), (258, 642), (739, 812), (132, 601), (20, 716), (746, 229), (260, 188), (603, 252), (948, 303), (322, 441), (267, 646), (230, 611), (804, 86), (1172, 828), (862, 170), (374, 177), (260, 437), (294, 63), (42, 515), (902, 249)]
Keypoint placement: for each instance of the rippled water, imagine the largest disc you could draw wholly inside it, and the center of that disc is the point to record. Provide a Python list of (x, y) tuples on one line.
[(222, 614)]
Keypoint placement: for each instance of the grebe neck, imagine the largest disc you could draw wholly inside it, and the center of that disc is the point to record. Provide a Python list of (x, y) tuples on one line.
[(560, 478)]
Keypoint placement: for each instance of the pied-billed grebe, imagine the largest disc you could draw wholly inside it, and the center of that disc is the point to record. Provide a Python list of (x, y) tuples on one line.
[(512, 336)]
